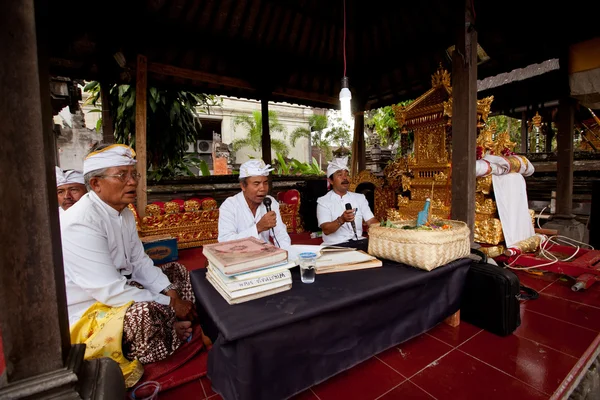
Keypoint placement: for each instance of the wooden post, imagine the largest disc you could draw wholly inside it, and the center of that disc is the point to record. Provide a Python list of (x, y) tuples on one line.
[(564, 166), (524, 132), (140, 131), (33, 318), (359, 156), (266, 134), (464, 119), (107, 120)]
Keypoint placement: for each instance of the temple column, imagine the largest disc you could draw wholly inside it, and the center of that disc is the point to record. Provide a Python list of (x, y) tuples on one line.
[(564, 221), (266, 134), (524, 132), (40, 361), (464, 119)]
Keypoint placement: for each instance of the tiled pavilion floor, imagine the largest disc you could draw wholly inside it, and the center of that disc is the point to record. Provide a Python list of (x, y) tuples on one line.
[(558, 334)]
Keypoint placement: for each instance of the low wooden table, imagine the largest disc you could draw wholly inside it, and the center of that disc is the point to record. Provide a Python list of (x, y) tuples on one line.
[(277, 346)]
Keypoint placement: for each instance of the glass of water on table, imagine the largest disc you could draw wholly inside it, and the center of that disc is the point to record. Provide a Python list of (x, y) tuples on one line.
[(307, 262)]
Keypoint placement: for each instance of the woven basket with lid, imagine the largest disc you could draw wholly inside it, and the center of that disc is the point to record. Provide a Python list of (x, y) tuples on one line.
[(424, 249)]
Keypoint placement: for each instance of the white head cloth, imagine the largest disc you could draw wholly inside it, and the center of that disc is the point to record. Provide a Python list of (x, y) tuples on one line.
[(337, 164), (255, 168), (115, 155), (68, 177)]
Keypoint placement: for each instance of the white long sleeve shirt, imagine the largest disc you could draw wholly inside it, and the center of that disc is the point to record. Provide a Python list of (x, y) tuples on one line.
[(100, 247), (332, 205), (236, 221)]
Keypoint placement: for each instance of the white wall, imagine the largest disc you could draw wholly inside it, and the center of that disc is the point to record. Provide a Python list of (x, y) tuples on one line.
[(290, 116)]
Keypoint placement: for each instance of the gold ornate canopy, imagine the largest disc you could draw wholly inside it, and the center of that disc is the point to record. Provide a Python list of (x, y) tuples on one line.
[(427, 171)]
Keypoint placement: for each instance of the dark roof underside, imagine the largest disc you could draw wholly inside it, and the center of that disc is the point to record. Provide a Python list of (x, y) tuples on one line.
[(293, 50)]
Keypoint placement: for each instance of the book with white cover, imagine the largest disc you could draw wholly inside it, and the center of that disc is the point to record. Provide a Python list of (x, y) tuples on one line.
[(251, 293), (348, 257), (238, 284), (254, 273), (254, 296)]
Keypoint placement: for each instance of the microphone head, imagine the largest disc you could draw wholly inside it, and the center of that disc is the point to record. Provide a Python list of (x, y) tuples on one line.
[(348, 206), (267, 201)]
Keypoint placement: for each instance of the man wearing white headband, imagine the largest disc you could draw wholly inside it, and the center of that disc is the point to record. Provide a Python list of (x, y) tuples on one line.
[(253, 213), (70, 187), (107, 272), (334, 216)]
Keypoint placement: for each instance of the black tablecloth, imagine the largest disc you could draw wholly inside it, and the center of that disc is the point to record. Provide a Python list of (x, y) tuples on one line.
[(277, 346)]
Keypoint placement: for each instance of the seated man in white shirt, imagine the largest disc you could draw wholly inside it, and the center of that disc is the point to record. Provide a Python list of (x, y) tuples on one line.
[(107, 271), (246, 215), (70, 187), (334, 218)]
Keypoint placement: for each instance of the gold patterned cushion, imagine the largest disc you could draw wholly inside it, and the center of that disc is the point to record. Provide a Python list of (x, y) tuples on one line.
[(171, 207), (152, 210), (191, 206), (209, 204)]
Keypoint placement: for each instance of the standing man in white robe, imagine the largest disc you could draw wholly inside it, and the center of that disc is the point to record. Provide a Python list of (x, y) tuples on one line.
[(245, 214), (106, 268), (70, 187), (334, 219)]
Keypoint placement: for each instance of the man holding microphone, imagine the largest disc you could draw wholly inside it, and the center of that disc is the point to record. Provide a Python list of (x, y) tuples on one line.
[(340, 212)]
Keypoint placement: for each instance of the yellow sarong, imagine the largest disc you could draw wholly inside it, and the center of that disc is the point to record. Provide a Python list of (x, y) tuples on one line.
[(101, 329)]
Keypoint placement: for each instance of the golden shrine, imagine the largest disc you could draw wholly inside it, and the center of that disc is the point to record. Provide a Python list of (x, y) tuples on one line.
[(427, 171)]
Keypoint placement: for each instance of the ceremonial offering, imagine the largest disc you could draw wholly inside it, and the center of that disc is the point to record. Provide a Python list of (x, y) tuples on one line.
[(426, 247)]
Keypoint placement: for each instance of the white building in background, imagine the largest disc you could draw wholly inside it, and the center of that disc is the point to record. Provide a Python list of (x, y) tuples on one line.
[(291, 116), (78, 131)]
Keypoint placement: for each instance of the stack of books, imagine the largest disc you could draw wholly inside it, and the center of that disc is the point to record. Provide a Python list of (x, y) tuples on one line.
[(247, 269)]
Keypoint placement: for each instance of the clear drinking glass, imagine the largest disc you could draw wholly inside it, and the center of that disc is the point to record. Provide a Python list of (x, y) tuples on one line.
[(307, 262)]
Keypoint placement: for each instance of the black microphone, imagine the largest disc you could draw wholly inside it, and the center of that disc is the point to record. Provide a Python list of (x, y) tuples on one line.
[(349, 207), (267, 203)]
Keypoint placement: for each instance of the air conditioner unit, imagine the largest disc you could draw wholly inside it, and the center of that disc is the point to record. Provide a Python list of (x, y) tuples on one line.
[(205, 146)]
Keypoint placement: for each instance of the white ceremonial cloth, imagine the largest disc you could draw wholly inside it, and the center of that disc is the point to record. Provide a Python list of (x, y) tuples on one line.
[(337, 164), (115, 155), (331, 206), (513, 209), (101, 246), (69, 177), (236, 221), (255, 168)]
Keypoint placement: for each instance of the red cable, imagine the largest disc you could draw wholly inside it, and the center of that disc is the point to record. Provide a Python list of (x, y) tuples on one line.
[(344, 37)]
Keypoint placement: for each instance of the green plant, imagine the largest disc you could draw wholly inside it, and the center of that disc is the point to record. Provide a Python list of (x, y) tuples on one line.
[(253, 125), (172, 123), (383, 122), (295, 167)]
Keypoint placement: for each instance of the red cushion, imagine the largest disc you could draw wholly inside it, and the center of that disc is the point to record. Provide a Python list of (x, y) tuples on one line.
[(291, 197)]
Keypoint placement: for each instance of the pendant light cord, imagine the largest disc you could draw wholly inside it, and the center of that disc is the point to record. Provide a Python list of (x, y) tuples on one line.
[(344, 38)]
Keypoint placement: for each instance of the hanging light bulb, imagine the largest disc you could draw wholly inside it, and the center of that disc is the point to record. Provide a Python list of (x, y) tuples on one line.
[(345, 95), (345, 98)]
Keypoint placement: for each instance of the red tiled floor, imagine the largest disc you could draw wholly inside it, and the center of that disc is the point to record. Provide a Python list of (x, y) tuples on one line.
[(454, 336), (192, 258), (565, 310), (460, 376), (536, 282), (406, 390), (412, 356), (537, 365), (559, 335), (367, 380), (562, 289)]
